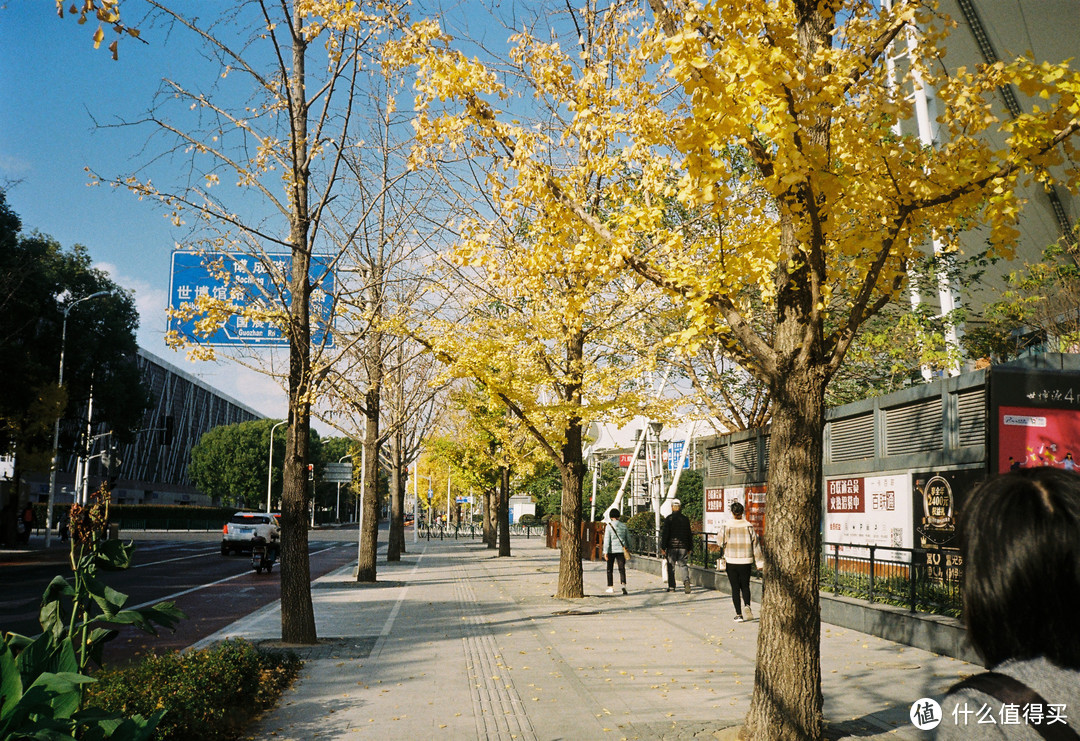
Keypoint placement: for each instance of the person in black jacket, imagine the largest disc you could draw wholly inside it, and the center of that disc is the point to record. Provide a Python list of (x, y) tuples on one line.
[(675, 543)]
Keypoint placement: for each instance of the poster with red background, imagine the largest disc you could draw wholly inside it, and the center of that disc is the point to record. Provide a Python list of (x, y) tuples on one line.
[(1032, 436)]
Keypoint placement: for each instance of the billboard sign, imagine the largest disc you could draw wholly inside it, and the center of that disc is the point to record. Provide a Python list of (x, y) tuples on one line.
[(714, 510), (872, 510), (240, 281), (1034, 418), (751, 497)]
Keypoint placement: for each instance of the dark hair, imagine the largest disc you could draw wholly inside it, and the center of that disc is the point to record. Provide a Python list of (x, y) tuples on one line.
[(1020, 540), (737, 509), (614, 513)]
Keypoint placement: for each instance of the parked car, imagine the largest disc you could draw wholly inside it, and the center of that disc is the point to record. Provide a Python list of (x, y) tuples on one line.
[(243, 527)]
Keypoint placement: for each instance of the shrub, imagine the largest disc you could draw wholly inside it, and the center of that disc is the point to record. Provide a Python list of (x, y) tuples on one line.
[(210, 694), (528, 520), (643, 521)]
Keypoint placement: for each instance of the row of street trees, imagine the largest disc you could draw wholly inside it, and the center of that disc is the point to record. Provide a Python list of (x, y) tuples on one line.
[(724, 178)]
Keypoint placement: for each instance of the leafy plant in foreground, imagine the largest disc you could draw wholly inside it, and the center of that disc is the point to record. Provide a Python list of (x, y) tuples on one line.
[(42, 678)]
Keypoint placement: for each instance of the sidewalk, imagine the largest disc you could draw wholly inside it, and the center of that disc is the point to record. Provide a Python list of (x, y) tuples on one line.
[(454, 643)]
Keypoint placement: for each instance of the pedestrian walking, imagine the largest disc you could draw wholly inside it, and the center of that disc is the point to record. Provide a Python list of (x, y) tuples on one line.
[(676, 539), (616, 550), (740, 551), (1020, 544), (27, 520)]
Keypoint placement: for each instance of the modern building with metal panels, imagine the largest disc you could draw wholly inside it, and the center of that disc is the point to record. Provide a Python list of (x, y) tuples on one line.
[(183, 407)]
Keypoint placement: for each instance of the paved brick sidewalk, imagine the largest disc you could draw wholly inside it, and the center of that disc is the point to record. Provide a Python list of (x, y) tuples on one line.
[(454, 643)]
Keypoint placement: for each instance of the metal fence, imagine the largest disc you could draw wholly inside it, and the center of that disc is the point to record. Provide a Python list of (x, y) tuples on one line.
[(921, 579), (472, 531), (169, 523)]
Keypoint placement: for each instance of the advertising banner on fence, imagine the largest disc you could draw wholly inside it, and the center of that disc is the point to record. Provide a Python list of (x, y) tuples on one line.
[(939, 496), (751, 497), (714, 510), (872, 510)]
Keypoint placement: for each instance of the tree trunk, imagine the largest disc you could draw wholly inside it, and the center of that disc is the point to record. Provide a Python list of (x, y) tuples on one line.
[(504, 511), (787, 701), (369, 531), (571, 584), (297, 613), (491, 518), (396, 543)]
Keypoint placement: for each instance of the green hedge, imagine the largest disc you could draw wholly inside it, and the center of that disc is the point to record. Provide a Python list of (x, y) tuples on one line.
[(210, 694)]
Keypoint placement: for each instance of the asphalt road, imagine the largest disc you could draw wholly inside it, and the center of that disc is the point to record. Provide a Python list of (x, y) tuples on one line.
[(185, 568)]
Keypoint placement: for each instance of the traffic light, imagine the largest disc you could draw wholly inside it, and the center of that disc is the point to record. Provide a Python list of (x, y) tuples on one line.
[(311, 472)]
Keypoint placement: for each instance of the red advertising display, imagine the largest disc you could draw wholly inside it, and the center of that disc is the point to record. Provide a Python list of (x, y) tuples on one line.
[(1031, 436), (845, 495), (714, 500), (714, 509), (755, 507), (625, 459)]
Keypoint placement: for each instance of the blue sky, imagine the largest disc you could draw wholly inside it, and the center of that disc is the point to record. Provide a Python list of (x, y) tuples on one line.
[(55, 85)]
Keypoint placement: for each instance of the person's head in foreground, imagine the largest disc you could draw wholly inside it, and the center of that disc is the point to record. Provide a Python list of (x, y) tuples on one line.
[(614, 513), (736, 509), (1020, 542)]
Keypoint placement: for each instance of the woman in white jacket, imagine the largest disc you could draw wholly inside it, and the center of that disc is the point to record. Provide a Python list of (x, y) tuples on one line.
[(740, 551)]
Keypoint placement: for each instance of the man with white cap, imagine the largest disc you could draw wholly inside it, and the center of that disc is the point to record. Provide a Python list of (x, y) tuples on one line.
[(676, 539)]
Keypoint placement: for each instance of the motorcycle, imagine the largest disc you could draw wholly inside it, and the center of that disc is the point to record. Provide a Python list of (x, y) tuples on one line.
[(263, 554)]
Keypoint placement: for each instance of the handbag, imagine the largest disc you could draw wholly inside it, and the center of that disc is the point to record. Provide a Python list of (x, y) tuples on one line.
[(1011, 691)]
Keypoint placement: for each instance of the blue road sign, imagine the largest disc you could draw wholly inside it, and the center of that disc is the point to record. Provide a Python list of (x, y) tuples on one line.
[(673, 452), (239, 281)]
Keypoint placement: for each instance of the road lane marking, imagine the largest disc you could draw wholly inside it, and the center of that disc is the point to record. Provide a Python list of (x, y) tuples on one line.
[(214, 550), (174, 596), (178, 558)]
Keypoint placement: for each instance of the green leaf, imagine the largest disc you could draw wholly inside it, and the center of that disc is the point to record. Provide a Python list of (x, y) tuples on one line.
[(45, 655), (108, 599), (100, 724), (165, 614), (51, 614), (115, 554), (11, 686), (45, 709)]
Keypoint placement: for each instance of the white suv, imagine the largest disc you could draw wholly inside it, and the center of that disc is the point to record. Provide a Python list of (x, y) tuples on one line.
[(243, 527)]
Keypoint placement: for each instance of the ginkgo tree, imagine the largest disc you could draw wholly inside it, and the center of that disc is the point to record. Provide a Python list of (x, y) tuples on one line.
[(262, 148), (544, 322), (818, 229)]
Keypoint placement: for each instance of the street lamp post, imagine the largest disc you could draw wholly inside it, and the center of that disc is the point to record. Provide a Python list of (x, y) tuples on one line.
[(56, 425), (270, 465)]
